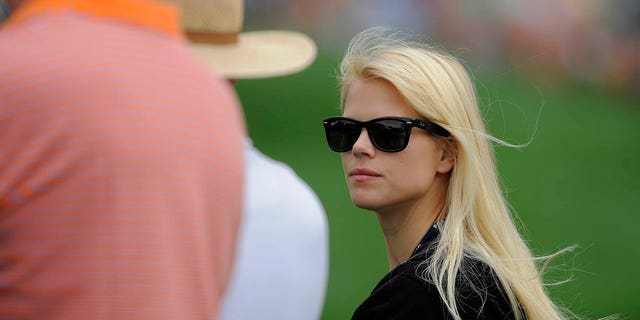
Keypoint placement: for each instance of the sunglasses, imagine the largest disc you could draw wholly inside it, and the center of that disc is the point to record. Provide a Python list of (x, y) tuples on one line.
[(388, 134)]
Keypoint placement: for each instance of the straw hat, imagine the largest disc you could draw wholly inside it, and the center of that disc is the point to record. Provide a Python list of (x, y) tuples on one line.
[(214, 26)]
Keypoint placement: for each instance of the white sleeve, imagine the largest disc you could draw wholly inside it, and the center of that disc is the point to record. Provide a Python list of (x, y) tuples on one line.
[(281, 266)]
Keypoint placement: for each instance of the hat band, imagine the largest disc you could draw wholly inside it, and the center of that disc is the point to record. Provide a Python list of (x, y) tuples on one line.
[(212, 37)]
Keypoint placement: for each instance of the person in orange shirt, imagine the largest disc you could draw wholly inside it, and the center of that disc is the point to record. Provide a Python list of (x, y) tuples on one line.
[(121, 165)]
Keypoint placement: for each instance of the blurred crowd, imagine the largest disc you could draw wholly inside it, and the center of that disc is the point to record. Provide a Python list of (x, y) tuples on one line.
[(597, 42)]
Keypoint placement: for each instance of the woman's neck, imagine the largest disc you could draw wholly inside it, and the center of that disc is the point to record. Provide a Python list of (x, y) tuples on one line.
[(404, 225)]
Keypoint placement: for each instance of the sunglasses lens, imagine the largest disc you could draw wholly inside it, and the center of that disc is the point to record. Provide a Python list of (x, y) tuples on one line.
[(342, 134), (389, 135)]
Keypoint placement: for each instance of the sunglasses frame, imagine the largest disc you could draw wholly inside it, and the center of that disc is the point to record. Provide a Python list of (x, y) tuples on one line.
[(430, 127)]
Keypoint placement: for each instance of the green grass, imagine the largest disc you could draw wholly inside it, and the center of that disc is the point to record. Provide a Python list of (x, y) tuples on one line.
[(577, 182)]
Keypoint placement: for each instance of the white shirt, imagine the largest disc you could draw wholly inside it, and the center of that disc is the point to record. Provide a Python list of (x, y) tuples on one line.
[(281, 265)]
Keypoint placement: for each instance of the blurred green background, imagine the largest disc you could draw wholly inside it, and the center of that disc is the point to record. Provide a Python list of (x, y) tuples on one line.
[(577, 182)]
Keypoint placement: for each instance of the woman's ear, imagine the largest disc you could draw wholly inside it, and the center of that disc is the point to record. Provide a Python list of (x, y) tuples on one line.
[(447, 161)]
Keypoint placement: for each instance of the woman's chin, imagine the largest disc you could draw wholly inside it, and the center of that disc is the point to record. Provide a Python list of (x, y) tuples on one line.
[(366, 203)]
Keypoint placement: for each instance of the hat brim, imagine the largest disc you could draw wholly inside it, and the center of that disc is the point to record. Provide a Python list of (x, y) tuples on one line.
[(259, 54)]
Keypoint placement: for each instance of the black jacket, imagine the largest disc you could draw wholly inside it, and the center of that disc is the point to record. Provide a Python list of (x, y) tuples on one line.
[(402, 294)]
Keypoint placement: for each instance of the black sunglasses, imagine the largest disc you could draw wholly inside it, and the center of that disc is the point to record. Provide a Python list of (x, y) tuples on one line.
[(388, 134)]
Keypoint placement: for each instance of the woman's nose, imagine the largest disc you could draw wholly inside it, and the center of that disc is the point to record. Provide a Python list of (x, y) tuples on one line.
[(363, 146)]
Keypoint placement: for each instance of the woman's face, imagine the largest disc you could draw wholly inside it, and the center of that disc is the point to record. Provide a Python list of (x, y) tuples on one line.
[(382, 181)]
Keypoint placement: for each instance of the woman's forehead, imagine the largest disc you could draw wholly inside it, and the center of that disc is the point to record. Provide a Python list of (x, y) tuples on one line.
[(373, 98)]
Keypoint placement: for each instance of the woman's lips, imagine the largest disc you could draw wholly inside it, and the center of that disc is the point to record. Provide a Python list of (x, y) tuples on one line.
[(363, 174)]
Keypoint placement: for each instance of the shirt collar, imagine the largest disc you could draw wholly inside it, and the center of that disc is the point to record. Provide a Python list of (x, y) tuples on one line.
[(144, 13)]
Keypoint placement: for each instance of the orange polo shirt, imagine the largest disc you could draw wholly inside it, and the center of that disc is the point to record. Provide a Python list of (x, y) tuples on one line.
[(120, 166)]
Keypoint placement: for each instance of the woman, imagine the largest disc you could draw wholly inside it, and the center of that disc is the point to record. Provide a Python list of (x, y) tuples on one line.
[(414, 150)]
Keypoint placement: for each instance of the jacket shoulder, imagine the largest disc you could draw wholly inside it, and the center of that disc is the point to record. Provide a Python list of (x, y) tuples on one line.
[(403, 297), (407, 295)]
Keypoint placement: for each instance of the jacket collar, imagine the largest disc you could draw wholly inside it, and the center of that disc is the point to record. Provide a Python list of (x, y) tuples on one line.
[(143, 13), (428, 238)]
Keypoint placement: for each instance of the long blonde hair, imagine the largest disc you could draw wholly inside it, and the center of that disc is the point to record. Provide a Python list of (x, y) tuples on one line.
[(476, 222)]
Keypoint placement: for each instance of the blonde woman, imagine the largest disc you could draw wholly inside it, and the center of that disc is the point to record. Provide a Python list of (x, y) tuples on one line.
[(415, 151)]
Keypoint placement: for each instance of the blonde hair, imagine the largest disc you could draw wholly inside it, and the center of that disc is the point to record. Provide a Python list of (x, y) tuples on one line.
[(476, 222)]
